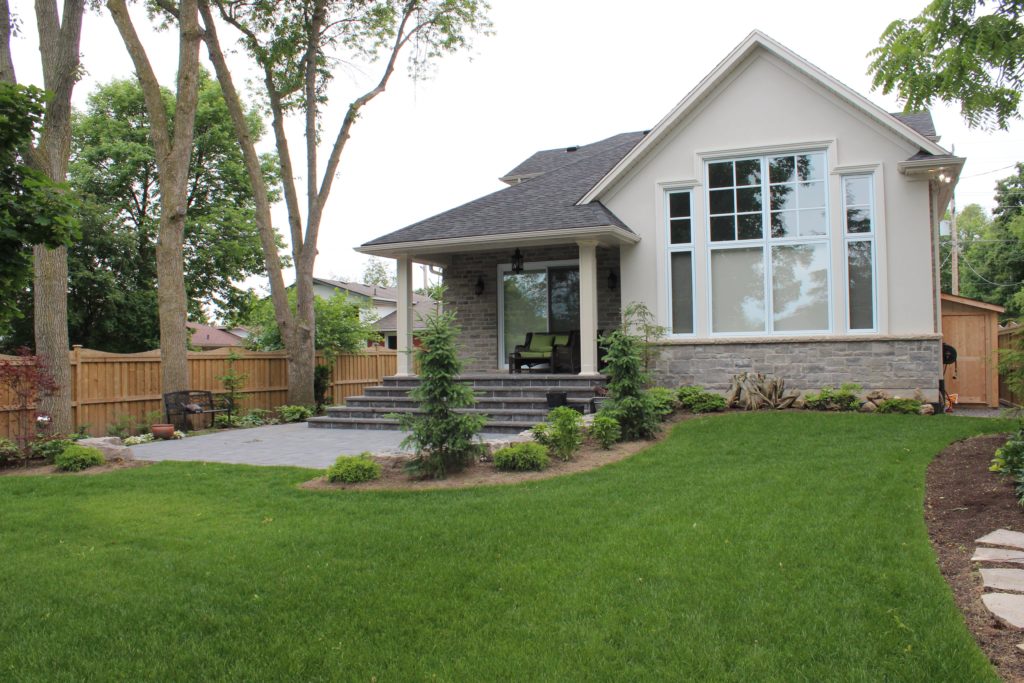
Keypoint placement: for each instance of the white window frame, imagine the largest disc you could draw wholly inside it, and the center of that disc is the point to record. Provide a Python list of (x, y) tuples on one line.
[(681, 248), (869, 237), (766, 242)]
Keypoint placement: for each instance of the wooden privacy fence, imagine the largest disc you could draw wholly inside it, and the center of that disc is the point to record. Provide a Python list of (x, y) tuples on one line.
[(1008, 338), (107, 386)]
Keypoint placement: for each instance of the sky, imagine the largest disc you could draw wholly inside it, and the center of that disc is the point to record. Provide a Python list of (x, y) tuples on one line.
[(554, 73)]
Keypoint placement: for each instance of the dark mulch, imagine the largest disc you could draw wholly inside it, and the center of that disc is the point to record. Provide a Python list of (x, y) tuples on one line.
[(963, 502)]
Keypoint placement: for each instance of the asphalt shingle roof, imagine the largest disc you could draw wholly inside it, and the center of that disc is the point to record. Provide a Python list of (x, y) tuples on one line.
[(371, 291), (546, 202), (920, 121)]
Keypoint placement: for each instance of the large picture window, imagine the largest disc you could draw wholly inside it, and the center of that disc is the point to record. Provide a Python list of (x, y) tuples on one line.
[(768, 244), (680, 247)]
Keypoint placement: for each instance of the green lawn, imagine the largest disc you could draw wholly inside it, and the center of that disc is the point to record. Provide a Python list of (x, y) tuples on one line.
[(759, 547)]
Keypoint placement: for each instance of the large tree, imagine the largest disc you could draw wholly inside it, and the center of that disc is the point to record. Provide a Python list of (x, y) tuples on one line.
[(112, 268), (59, 33), (173, 148), (296, 45), (965, 51)]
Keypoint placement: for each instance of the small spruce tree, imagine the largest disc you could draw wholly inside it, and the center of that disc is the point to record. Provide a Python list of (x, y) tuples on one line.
[(442, 438)]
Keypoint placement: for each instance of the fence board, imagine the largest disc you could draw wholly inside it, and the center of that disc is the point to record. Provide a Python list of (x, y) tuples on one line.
[(1008, 337), (107, 386)]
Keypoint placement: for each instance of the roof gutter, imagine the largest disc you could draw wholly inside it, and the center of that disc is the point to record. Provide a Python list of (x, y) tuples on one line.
[(423, 249)]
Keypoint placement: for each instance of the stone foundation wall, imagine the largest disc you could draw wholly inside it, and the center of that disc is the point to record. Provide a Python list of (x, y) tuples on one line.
[(899, 366), (478, 314)]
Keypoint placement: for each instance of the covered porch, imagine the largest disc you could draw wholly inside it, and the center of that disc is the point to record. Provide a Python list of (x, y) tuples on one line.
[(503, 289)]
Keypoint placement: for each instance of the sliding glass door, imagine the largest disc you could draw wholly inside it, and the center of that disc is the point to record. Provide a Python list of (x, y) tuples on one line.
[(543, 298)]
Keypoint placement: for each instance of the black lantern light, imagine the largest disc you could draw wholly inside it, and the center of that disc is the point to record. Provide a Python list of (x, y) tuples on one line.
[(613, 280), (517, 262), (479, 289)]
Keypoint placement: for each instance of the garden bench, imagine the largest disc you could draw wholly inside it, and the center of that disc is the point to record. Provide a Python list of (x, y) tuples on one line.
[(178, 405)]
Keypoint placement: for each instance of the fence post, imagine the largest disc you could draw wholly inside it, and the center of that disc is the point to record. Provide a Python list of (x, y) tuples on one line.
[(76, 387)]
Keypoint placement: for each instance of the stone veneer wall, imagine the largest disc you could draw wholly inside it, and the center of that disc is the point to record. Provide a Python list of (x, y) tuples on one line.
[(895, 365), (478, 314)]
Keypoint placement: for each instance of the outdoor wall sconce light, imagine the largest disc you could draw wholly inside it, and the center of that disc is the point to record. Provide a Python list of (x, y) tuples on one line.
[(479, 289), (517, 262), (613, 280)]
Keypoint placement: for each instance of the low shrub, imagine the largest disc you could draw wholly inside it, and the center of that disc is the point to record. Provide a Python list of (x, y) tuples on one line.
[(294, 413), (76, 458), (49, 448), (354, 469), (663, 401), (1009, 459), (697, 400), (562, 433), (842, 399), (605, 430), (521, 457), (906, 406), (636, 417), (8, 450)]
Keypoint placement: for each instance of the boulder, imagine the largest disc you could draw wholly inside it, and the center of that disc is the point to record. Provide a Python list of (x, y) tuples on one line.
[(927, 409), (868, 407), (111, 447), (876, 396)]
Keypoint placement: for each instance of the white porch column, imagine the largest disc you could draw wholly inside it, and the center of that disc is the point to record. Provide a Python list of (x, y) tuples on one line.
[(405, 346), (588, 307)]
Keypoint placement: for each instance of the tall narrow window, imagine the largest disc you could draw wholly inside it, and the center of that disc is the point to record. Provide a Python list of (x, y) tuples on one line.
[(859, 234), (680, 247), (769, 245)]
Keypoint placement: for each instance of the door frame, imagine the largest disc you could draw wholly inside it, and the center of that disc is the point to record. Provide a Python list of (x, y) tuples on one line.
[(504, 268)]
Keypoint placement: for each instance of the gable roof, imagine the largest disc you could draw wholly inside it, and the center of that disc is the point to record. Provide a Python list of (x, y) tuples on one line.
[(545, 202), (921, 121), (551, 159), (210, 337), (907, 128), (389, 294)]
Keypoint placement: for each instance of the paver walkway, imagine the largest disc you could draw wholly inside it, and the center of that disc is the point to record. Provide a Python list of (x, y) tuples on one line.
[(1008, 606), (292, 444)]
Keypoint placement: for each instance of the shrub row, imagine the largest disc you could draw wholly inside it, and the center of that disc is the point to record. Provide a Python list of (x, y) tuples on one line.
[(1009, 461)]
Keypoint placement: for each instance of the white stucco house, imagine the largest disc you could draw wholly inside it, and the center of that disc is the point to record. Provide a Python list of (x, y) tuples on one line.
[(774, 221)]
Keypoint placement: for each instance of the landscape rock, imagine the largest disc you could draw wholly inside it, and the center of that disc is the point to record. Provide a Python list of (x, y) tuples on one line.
[(111, 447), (1003, 537), (868, 407), (876, 396), (1006, 606), (927, 409), (1003, 579), (998, 555)]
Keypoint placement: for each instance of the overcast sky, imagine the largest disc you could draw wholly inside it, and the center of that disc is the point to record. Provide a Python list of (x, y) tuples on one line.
[(555, 73)]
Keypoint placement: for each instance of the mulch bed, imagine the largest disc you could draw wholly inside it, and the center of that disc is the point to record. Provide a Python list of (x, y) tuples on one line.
[(963, 502), (37, 468)]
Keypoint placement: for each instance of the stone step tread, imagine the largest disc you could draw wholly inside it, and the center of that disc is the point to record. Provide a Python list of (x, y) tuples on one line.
[(389, 421), (1004, 537), (998, 555), (526, 400), (510, 412), (1003, 579), (535, 388), (1008, 607)]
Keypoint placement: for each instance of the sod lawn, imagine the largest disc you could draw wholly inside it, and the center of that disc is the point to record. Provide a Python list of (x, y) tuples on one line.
[(744, 547)]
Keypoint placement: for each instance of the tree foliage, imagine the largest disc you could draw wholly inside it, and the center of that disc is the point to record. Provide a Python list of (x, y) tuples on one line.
[(33, 208), (342, 326), (966, 51), (112, 269), (377, 273)]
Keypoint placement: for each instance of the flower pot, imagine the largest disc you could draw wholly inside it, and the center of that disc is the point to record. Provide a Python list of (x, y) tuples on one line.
[(162, 431)]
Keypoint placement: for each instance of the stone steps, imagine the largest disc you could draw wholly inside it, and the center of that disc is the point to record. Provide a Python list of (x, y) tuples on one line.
[(1003, 546), (511, 403)]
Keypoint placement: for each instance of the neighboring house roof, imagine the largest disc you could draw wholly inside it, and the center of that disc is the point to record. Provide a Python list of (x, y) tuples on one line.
[(389, 294), (904, 126), (209, 337), (389, 323), (545, 202)]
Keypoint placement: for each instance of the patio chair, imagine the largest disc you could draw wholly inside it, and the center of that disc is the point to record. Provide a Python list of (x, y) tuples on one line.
[(543, 348), (178, 405)]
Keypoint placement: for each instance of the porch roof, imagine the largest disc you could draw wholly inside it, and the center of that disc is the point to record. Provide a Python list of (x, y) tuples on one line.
[(545, 201)]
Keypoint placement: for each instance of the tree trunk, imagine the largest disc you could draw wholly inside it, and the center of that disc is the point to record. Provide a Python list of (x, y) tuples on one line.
[(302, 349), (172, 157), (50, 300)]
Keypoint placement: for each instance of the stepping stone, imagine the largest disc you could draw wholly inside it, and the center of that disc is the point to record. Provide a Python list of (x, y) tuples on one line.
[(1003, 579), (1008, 607), (1004, 537), (998, 555)]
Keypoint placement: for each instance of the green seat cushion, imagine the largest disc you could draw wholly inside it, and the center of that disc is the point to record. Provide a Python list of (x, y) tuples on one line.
[(534, 354), (560, 340), (541, 342)]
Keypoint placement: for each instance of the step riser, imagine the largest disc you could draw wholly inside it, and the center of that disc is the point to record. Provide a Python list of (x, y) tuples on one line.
[(503, 392), (526, 418), (490, 404), (356, 424)]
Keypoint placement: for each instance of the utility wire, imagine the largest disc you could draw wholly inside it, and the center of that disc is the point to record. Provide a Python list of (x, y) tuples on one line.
[(984, 279)]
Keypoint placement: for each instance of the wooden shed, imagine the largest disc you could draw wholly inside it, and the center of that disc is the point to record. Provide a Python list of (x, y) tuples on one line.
[(972, 328)]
